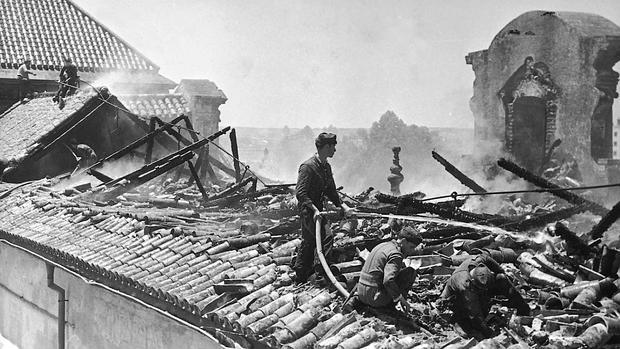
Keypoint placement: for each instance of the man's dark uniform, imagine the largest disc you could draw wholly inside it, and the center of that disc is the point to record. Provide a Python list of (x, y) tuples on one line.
[(382, 280), (315, 181), (69, 80), (470, 301)]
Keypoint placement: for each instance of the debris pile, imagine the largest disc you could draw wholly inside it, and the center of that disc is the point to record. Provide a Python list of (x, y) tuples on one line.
[(221, 260)]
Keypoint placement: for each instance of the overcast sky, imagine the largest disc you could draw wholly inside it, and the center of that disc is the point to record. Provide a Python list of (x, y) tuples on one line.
[(325, 62)]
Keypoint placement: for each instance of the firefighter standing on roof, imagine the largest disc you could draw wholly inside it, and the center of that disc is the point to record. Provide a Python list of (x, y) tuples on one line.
[(315, 182), (68, 80)]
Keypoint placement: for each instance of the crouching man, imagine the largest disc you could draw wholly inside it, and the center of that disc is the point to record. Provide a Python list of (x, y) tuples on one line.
[(469, 290), (384, 281)]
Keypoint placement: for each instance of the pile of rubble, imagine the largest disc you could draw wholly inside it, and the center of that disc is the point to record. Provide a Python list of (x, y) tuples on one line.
[(223, 263)]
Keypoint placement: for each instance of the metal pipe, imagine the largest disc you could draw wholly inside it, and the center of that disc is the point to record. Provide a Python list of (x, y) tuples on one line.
[(61, 304), (328, 272)]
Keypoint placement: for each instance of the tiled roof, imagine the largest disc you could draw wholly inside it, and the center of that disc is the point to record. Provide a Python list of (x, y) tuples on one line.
[(47, 30), (164, 106), (188, 269), (23, 127), (200, 87)]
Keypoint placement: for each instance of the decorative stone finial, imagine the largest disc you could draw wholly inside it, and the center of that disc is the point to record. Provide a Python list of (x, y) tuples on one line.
[(395, 177)]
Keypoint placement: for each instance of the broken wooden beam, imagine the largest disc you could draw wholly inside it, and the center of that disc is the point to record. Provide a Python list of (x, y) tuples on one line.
[(545, 184), (197, 179), (408, 205), (133, 145), (235, 153), (150, 143), (167, 158), (142, 176), (544, 219), (100, 176), (456, 173), (610, 218), (230, 190)]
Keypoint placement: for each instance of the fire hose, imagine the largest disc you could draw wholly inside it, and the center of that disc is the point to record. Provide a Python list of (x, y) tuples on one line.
[(326, 269)]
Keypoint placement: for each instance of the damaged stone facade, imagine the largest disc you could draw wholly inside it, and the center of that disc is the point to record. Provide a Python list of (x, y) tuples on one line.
[(548, 76)]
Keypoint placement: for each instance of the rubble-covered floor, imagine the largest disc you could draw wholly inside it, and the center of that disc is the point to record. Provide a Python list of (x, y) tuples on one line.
[(227, 267)]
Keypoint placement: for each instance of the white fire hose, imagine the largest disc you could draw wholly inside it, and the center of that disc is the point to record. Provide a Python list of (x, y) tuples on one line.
[(328, 272)]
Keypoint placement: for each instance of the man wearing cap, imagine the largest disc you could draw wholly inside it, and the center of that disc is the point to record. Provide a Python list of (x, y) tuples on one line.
[(384, 281), (315, 183), (23, 77), (469, 290)]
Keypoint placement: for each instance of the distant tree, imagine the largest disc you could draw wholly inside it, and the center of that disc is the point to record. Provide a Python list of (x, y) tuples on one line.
[(331, 129), (368, 163)]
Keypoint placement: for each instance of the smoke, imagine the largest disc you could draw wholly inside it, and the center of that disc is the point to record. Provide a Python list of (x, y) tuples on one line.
[(113, 81), (114, 169)]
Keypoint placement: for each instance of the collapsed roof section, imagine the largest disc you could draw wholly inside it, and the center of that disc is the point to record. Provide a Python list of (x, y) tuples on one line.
[(36, 134)]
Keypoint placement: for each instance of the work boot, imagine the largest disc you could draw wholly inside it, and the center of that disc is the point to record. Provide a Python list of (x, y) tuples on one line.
[(55, 99)]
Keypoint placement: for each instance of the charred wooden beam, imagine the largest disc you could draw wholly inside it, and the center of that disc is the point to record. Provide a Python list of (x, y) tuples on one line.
[(466, 235), (167, 162), (544, 219), (408, 205), (150, 143), (456, 173), (237, 198), (557, 190), (167, 158), (610, 218), (133, 145), (100, 176), (197, 179), (230, 190), (235, 153), (444, 232), (142, 176), (176, 134)]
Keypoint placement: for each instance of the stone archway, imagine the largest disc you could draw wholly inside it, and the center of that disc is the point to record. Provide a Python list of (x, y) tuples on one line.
[(529, 98), (601, 132)]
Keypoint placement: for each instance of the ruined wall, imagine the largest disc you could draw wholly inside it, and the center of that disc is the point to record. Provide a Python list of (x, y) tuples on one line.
[(96, 317), (205, 114), (570, 52)]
